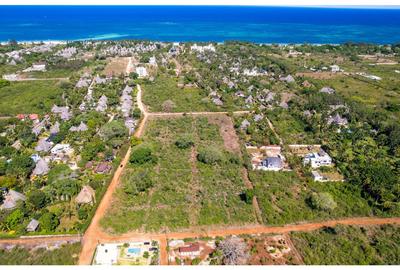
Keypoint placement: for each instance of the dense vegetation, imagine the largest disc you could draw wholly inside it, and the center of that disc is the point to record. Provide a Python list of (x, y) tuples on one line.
[(348, 245), (67, 254)]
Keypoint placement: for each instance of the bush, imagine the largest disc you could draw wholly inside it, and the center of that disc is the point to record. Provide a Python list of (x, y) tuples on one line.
[(322, 201), (247, 196), (209, 156), (141, 154), (4, 83), (135, 141), (184, 142), (196, 261), (48, 222), (137, 183), (168, 106), (37, 199)]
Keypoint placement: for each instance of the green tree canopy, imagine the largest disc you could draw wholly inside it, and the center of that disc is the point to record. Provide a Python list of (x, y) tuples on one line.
[(48, 222), (37, 199), (322, 201)]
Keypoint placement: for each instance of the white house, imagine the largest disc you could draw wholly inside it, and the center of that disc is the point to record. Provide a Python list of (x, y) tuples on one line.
[(335, 68), (142, 72), (317, 160), (208, 47), (58, 148), (317, 176), (271, 164)]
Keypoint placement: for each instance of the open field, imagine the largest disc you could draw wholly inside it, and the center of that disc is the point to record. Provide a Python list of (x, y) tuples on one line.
[(188, 99), (350, 245), (29, 97), (116, 66), (184, 191), (290, 129), (66, 254), (284, 198)]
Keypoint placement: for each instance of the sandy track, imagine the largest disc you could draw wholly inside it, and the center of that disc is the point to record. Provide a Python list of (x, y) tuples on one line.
[(251, 229)]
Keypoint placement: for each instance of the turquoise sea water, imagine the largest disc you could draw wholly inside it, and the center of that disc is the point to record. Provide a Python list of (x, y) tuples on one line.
[(200, 23)]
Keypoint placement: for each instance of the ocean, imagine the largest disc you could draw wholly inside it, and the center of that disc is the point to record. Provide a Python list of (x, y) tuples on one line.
[(200, 23)]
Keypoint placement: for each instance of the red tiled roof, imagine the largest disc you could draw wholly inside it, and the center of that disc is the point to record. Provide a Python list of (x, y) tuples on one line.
[(191, 248), (33, 116)]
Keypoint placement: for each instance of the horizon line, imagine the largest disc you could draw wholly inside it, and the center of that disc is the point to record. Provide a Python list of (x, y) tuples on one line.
[(210, 5)]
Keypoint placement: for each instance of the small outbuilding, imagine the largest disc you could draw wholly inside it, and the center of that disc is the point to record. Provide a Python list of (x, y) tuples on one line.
[(86, 195), (32, 226)]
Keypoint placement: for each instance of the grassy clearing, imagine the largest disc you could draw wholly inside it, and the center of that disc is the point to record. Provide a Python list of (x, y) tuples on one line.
[(186, 100), (290, 129), (65, 255), (185, 192), (350, 245), (283, 198), (29, 97)]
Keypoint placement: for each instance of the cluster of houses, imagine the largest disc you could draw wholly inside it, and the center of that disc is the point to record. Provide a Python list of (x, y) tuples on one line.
[(129, 49), (126, 108), (201, 49), (271, 158)]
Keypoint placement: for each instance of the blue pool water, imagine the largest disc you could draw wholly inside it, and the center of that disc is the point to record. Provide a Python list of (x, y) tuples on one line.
[(200, 23), (134, 250)]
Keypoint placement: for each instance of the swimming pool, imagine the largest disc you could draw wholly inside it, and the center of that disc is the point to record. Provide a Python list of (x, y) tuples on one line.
[(135, 251)]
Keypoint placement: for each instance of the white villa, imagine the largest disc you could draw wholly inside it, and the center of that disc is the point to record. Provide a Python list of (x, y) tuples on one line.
[(317, 160), (142, 72)]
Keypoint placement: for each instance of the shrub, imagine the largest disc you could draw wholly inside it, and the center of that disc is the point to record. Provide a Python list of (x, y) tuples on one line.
[(184, 142), (137, 183), (135, 141), (48, 222), (209, 156), (168, 106), (322, 201), (141, 154), (196, 261), (37, 199), (4, 83), (247, 196)]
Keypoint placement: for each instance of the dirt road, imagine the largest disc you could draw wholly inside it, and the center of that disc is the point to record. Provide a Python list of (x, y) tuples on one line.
[(226, 231), (94, 232)]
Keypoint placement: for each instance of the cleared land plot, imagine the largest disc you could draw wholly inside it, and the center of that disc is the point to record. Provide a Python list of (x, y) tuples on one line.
[(284, 198), (350, 245), (116, 66), (290, 129), (29, 97), (185, 192), (188, 99)]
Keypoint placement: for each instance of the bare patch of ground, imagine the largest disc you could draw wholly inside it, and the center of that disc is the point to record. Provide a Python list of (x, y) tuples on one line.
[(319, 75), (272, 250), (227, 131), (116, 66)]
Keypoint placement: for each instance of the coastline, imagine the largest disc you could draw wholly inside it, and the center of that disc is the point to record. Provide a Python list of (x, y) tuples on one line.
[(62, 42)]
